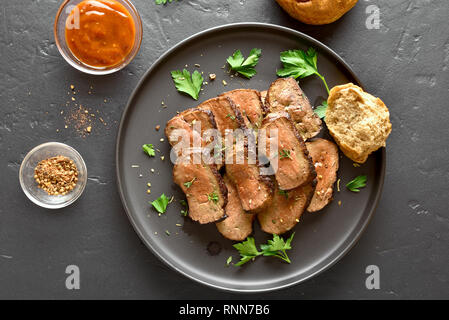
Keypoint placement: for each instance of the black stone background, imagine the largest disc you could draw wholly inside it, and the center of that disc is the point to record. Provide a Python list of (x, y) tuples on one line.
[(405, 63)]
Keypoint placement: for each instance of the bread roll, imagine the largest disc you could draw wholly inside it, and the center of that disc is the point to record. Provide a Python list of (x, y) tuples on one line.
[(317, 12), (359, 122)]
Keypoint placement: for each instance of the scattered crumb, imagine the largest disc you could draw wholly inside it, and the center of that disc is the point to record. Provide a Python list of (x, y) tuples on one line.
[(161, 140), (158, 127), (339, 202), (224, 83), (212, 76)]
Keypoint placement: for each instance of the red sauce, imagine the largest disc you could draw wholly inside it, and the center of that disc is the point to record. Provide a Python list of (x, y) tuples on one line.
[(100, 33)]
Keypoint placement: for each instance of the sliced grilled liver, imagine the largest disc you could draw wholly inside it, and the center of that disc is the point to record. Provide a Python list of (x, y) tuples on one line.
[(294, 165), (186, 120), (324, 155), (249, 103), (286, 209), (205, 190), (239, 224), (226, 113), (285, 94), (254, 190)]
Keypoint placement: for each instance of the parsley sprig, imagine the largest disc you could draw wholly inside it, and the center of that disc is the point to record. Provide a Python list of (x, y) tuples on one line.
[(300, 64), (161, 203), (213, 196), (321, 110), (188, 184), (284, 153), (274, 248), (163, 1), (189, 84), (148, 149), (358, 182), (245, 66)]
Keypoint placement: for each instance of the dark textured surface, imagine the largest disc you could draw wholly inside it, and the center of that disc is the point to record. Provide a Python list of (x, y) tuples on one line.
[(405, 62)]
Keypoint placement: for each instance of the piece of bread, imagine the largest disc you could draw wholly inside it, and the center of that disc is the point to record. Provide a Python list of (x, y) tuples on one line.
[(317, 12), (359, 122)]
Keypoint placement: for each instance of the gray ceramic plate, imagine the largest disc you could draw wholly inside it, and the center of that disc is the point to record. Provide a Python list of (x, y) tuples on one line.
[(199, 251)]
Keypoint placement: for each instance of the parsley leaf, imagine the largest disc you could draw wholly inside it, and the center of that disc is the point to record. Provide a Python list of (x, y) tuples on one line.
[(242, 66), (160, 204), (228, 261), (321, 110), (277, 247), (284, 153), (358, 182), (213, 197), (247, 250), (188, 184), (163, 1), (188, 84), (184, 212), (148, 149), (300, 64), (274, 248)]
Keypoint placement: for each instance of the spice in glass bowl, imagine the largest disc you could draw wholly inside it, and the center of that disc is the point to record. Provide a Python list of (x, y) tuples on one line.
[(57, 175)]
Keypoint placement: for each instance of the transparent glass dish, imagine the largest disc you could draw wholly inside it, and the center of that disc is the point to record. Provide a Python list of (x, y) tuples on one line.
[(29, 184), (59, 33)]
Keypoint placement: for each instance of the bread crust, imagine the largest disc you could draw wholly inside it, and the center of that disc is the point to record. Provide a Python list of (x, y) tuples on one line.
[(317, 12)]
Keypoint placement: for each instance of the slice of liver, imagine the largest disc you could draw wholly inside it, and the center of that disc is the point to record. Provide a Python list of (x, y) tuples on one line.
[(226, 113), (249, 103), (254, 190), (285, 94), (294, 165), (324, 155), (186, 120), (206, 182), (286, 209), (239, 224)]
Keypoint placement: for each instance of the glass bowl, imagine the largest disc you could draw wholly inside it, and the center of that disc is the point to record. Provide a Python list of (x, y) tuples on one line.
[(59, 33), (29, 185)]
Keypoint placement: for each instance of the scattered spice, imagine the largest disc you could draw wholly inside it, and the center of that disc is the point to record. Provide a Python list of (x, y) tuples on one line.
[(57, 175)]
